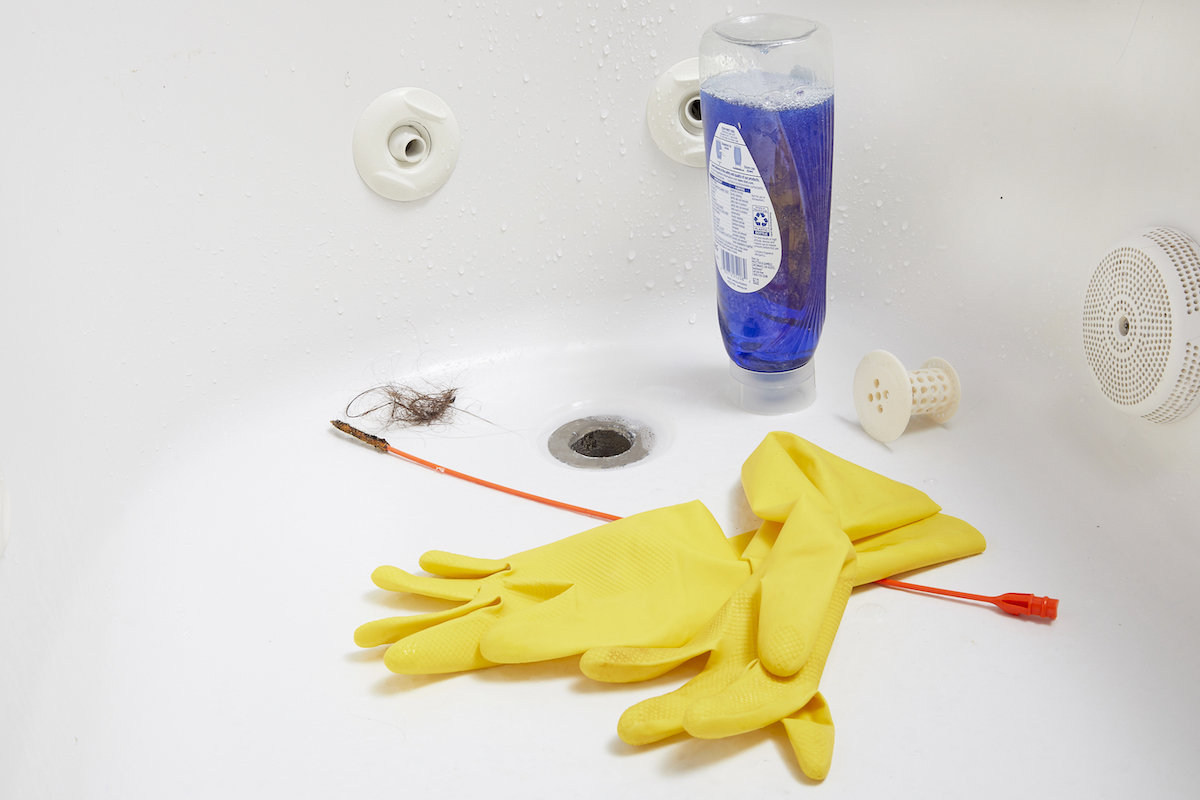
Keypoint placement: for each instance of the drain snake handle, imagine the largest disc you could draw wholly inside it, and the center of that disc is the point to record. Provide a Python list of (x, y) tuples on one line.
[(382, 446)]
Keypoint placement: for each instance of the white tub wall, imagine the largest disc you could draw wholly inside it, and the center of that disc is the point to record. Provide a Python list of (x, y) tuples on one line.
[(178, 187), (1077, 119), (185, 226)]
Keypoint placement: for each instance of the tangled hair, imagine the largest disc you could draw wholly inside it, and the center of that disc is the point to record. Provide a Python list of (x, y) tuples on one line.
[(397, 406)]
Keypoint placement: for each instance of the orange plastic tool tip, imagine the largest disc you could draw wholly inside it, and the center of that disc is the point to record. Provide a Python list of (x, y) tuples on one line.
[(1019, 605), (1028, 605)]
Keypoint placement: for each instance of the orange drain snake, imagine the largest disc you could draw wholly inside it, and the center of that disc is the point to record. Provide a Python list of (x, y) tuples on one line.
[(1013, 603)]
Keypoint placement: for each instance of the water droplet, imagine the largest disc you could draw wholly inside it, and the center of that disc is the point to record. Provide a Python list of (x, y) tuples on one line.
[(632, 255), (692, 319), (539, 11), (347, 80), (604, 113), (649, 284), (526, 76)]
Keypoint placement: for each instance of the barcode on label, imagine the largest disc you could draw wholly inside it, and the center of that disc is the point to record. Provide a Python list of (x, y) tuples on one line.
[(733, 265)]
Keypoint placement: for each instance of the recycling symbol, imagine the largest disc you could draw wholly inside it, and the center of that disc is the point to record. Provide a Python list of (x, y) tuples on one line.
[(761, 220)]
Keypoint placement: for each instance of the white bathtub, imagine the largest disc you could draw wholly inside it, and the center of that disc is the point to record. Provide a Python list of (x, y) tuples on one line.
[(195, 280)]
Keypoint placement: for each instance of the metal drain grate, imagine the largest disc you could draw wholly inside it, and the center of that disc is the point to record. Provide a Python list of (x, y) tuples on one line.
[(601, 442)]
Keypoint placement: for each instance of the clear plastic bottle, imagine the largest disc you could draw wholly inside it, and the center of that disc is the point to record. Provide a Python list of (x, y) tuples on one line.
[(766, 92)]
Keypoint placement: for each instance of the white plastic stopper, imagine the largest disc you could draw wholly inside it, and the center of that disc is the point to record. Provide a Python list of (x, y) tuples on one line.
[(406, 144), (886, 395), (673, 113)]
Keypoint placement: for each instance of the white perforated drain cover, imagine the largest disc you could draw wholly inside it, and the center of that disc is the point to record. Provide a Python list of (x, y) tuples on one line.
[(1141, 324)]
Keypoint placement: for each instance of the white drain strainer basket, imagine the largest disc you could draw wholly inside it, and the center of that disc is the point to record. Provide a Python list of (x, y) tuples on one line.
[(1141, 324)]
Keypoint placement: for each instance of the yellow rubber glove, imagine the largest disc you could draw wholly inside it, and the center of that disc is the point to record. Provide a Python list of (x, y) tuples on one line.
[(781, 471), (650, 579), (730, 637), (801, 542)]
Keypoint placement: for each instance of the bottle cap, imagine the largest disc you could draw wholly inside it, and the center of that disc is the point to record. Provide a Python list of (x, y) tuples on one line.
[(774, 392)]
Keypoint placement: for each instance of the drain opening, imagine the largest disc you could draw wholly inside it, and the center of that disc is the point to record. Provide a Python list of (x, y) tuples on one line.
[(601, 442)]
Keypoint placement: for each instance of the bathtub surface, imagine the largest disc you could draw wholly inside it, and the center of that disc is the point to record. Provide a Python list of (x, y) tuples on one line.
[(195, 281)]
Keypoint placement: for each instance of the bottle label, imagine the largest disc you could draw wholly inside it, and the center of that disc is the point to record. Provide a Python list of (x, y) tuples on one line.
[(745, 233)]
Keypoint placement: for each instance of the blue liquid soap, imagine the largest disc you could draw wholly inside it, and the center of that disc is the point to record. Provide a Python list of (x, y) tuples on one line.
[(788, 132)]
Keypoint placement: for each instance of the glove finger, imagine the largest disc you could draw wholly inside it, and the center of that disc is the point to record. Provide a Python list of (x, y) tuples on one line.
[(932, 540), (653, 720), (728, 636), (798, 582), (452, 565), (758, 698), (450, 647), (394, 579), (386, 631), (632, 664), (753, 701), (659, 717), (810, 730)]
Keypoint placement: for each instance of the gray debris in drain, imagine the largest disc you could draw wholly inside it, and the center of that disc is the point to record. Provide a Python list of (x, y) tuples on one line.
[(602, 443)]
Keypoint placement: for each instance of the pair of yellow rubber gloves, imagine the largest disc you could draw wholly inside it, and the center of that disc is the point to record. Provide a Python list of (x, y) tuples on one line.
[(640, 596)]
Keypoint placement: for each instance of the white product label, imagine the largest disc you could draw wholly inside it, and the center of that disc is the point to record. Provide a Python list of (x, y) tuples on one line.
[(745, 233)]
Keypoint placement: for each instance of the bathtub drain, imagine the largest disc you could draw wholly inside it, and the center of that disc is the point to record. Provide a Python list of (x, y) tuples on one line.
[(601, 442)]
